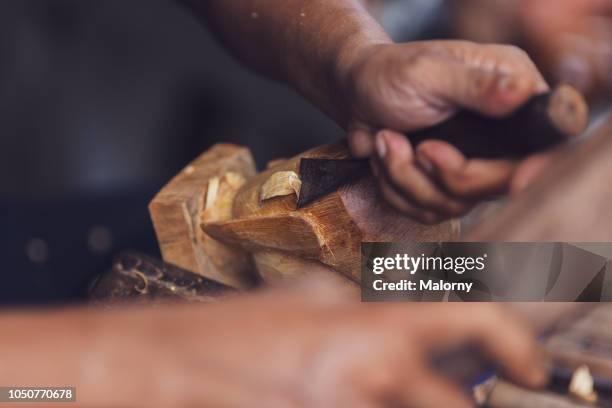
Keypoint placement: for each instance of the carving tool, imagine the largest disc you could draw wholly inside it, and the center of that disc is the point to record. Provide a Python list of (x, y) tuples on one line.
[(544, 121)]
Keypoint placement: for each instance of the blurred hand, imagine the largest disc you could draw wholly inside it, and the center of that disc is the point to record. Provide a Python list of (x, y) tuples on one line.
[(571, 40), (296, 350), (397, 88)]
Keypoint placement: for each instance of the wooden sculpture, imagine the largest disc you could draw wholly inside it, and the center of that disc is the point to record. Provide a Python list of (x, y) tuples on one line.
[(222, 220), (309, 213)]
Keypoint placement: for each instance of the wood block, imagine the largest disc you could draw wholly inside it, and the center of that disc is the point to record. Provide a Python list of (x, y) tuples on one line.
[(204, 192), (136, 277), (327, 232)]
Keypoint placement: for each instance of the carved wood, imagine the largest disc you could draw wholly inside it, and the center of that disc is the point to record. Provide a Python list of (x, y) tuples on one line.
[(327, 232), (223, 234), (204, 192)]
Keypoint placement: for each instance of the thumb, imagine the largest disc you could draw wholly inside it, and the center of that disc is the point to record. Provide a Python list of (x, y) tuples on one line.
[(489, 92), (491, 79)]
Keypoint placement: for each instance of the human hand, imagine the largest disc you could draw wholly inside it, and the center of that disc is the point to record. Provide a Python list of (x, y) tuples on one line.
[(393, 88), (571, 40), (302, 350)]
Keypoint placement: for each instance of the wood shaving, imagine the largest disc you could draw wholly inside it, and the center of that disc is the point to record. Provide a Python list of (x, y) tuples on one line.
[(212, 192), (582, 385), (281, 183)]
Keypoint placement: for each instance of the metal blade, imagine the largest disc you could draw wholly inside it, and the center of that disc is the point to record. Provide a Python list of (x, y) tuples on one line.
[(323, 176)]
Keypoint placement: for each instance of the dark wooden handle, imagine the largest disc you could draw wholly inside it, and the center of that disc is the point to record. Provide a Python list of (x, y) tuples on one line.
[(542, 122)]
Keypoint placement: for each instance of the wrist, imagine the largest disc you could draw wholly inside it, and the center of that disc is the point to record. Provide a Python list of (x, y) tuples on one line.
[(347, 64)]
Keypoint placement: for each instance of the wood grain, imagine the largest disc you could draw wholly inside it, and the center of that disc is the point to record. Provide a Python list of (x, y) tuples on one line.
[(328, 232), (204, 192), (136, 277)]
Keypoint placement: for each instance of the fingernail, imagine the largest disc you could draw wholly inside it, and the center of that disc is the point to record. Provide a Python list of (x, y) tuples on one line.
[(381, 145), (425, 163)]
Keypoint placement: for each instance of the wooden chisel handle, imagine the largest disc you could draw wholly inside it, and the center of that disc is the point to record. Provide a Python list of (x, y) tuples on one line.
[(542, 122)]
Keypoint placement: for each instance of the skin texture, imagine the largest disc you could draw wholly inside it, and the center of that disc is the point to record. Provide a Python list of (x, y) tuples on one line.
[(572, 40), (420, 84), (339, 58), (306, 347), (300, 349), (569, 39)]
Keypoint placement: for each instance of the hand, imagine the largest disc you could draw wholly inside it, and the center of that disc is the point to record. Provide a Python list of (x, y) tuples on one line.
[(568, 39), (571, 40), (397, 88), (300, 350)]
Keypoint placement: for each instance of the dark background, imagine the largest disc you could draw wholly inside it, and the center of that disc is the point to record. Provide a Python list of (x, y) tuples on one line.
[(101, 103)]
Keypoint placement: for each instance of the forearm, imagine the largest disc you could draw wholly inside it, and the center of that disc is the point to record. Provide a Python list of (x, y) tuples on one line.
[(307, 44), (171, 356), (34, 347), (93, 351)]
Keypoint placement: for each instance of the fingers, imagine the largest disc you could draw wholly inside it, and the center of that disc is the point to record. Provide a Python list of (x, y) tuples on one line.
[(406, 186), (402, 203), (512, 347), (401, 378), (426, 389), (504, 339), (437, 182), (528, 171), (474, 178)]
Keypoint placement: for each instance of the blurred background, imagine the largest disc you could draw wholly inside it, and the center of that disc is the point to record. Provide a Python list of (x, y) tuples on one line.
[(101, 103)]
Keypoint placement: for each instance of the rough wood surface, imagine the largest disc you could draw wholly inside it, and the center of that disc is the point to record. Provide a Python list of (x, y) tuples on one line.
[(204, 192), (138, 277), (328, 231)]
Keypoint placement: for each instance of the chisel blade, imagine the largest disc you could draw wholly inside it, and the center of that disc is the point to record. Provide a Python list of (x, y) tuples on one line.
[(322, 176)]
